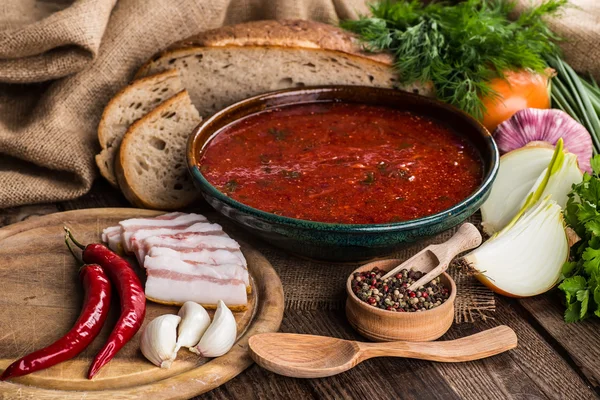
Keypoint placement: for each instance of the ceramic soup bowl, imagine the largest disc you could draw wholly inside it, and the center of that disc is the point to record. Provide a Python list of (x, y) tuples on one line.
[(336, 242)]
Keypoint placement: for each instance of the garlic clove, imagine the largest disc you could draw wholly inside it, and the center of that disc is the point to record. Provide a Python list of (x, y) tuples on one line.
[(159, 340), (220, 335), (194, 322)]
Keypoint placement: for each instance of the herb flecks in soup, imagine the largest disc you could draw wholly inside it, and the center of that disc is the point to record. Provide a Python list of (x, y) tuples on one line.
[(342, 162)]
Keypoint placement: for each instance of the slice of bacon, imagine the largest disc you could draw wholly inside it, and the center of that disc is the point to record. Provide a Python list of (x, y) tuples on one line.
[(213, 257), (186, 258), (190, 242), (167, 286), (112, 237), (221, 271), (136, 240), (171, 215), (172, 220)]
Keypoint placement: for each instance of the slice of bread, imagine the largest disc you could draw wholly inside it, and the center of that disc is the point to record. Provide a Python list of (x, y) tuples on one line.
[(229, 64), (219, 68), (130, 104), (151, 168)]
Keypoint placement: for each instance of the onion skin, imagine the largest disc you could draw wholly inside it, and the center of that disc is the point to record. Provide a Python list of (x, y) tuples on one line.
[(516, 91), (534, 125), (481, 278), (490, 285)]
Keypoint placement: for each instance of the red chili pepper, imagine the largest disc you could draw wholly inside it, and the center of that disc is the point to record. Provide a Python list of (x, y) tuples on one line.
[(131, 294), (95, 308)]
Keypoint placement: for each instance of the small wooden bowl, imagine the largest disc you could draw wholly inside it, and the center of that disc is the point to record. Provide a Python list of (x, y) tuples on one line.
[(384, 326)]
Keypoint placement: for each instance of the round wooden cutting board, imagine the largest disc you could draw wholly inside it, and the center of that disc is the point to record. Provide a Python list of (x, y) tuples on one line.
[(41, 297)]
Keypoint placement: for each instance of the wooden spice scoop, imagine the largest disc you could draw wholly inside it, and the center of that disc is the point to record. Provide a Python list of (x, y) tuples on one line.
[(309, 356), (434, 259)]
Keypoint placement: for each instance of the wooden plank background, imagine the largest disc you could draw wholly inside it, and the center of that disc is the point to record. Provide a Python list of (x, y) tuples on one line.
[(553, 360)]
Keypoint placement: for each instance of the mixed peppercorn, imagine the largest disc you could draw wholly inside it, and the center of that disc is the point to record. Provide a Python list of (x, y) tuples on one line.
[(392, 294)]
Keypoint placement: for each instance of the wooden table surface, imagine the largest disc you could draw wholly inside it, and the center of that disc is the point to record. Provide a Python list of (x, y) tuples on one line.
[(553, 360)]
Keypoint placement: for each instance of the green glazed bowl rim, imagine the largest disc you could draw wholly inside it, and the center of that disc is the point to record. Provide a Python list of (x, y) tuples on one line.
[(332, 226)]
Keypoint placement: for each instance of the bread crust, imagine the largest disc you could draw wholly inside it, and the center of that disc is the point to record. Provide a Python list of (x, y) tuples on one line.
[(102, 131), (123, 175), (285, 33)]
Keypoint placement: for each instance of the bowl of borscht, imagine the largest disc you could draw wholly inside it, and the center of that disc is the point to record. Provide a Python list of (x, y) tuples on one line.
[(343, 173)]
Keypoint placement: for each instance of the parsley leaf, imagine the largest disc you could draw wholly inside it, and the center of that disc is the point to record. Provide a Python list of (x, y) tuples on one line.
[(568, 270), (593, 226), (590, 190), (581, 275), (278, 134), (369, 179), (575, 291), (592, 260), (586, 212), (231, 186), (572, 285), (573, 312), (595, 165), (583, 296)]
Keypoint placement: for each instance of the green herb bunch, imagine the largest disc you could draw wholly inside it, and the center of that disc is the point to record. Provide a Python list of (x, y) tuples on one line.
[(459, 47), (581, 275)]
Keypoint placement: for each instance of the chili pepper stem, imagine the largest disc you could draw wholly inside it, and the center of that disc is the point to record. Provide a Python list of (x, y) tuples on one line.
[(70, 235), (78, 259)]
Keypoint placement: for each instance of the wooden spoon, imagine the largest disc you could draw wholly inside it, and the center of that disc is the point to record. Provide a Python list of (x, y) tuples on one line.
[(434, 259), (309, 356)]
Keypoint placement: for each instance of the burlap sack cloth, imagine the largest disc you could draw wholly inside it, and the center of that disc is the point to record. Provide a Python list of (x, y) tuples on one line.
[(64, 59)]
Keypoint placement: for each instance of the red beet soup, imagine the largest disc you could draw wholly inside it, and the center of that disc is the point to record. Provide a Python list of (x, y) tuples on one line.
[(342, 163)]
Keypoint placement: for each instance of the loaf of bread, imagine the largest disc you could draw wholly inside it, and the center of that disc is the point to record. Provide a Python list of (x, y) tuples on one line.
[(151, 168), (218, 68), (229, 64)]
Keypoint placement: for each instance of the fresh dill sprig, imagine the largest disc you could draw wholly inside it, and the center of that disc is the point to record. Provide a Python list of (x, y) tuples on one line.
[(459, 47)]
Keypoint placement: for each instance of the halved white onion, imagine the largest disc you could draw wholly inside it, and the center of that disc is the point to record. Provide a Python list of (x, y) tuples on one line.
[(525, 259)]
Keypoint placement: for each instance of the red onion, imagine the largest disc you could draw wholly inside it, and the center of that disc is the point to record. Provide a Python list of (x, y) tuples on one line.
[(532, 124)]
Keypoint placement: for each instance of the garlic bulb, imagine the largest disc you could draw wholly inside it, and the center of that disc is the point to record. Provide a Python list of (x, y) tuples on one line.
[(159, 340), (220, 335), (532, 124), (194, 322)]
